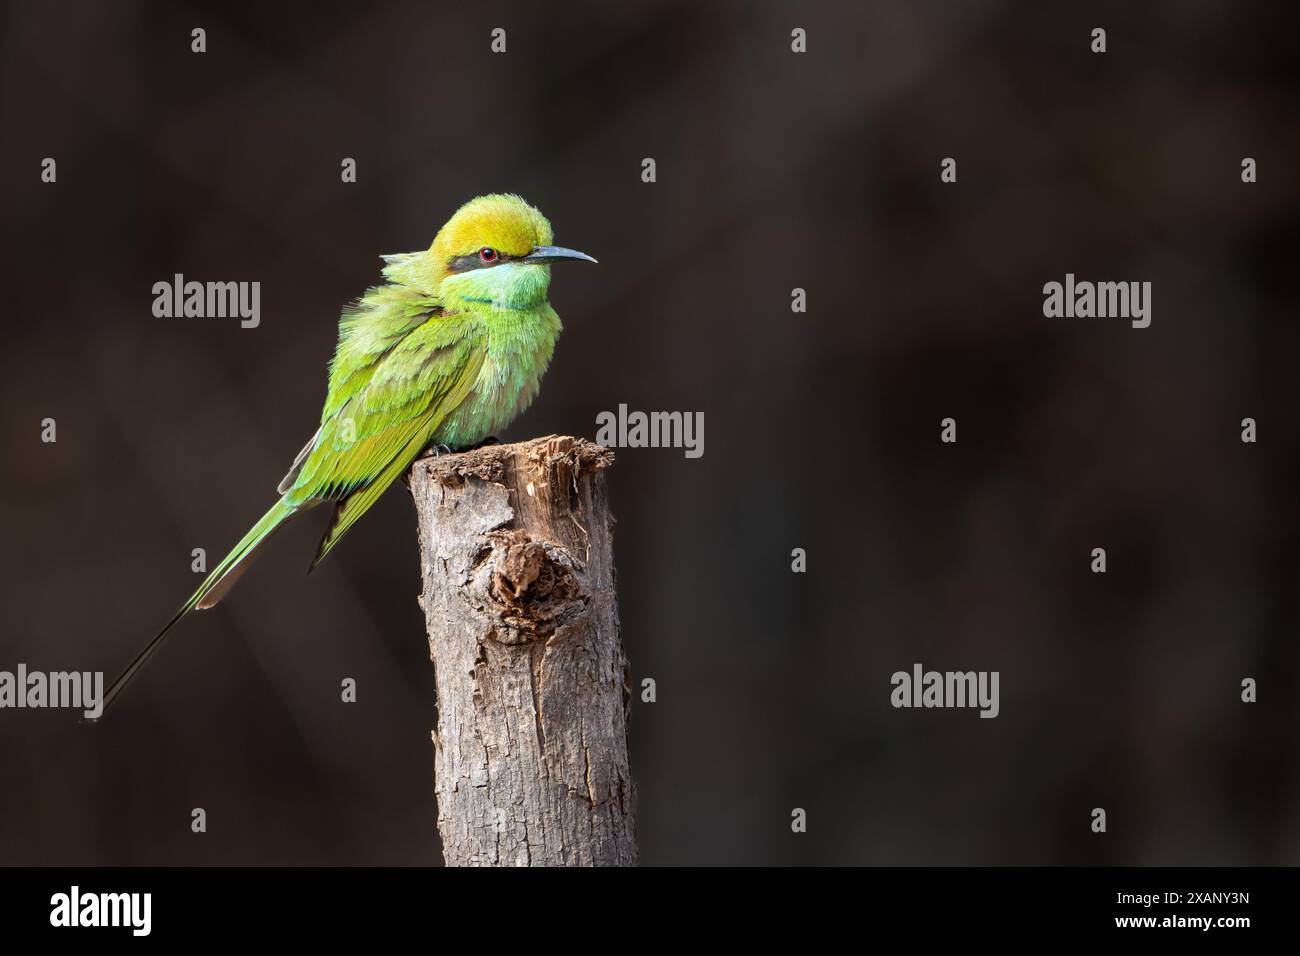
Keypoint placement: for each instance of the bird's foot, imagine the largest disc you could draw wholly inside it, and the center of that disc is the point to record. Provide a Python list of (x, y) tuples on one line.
[(439, 449), (434, 451)]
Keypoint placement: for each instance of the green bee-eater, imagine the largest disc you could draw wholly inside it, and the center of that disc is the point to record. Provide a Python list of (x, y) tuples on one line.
[(445, 353)]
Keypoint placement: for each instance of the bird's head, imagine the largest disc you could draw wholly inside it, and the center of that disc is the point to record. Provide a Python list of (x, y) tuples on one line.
[(495, 251)]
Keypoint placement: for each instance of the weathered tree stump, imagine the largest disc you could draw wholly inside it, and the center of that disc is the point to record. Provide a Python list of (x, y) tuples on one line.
[(531, 764)]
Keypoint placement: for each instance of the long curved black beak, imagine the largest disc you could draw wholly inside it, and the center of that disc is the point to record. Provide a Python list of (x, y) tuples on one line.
[(555, 254)]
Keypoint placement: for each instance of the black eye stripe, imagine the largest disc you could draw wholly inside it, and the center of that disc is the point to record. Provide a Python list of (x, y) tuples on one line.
[(473, 261)]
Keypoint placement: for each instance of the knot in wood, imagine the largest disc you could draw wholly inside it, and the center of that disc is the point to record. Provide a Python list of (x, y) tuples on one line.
[(533, 585)]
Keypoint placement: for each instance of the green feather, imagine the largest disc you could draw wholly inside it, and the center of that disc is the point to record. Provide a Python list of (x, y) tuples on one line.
[(213, 588)]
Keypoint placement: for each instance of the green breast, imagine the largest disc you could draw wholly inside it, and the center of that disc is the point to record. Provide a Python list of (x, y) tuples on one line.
[(519, 348)]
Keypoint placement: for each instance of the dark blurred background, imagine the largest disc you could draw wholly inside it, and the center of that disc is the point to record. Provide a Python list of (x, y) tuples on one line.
[(775, 170)]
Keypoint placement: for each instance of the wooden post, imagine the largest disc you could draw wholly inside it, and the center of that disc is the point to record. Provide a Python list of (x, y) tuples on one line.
[(531, 764)]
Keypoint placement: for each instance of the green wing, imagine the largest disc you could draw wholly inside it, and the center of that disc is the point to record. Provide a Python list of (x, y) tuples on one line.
[(383, 407)]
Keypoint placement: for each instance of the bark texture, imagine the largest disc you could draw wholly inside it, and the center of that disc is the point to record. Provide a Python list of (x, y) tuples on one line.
[(516, 547)]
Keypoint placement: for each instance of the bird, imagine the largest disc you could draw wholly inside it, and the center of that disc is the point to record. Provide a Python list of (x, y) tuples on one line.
[(441, 356)]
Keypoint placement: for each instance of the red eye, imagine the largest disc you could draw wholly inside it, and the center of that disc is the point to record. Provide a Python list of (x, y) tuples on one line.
[(487, 254)]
